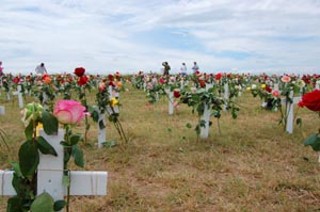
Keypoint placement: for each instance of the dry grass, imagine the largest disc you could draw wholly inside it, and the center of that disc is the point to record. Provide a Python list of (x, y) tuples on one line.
[(252, 166)]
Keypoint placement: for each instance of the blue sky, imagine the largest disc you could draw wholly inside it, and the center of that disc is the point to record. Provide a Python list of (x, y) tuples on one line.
[(105, 36)]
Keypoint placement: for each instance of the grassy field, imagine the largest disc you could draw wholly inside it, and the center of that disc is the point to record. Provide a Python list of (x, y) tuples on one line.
[(252, 166)]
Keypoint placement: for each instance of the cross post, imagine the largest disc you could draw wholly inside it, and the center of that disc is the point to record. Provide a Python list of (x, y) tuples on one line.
[(50, 175)]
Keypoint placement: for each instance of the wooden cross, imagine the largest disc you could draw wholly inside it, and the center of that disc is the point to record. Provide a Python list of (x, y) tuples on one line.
[(289, 112), (50, 175)]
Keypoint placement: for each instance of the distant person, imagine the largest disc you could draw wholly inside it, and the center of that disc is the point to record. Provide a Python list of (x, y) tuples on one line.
[(1, 69), (166, 68), (41, 69), (195, 67), (183, 69)]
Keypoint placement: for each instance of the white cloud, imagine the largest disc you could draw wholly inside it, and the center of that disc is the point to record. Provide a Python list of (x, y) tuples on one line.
[(102, 35)]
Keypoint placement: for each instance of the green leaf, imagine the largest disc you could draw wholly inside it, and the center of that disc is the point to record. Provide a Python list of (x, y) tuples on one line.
[(50, 123), (65, 144), (43, 202), (78, 156), (202, 123), (66, 156), (314, 141), (74, 139), (95, 115), (197, 129), (45, 147), (16, 169), (188, 125), (101, 125), (28, 158), (20, 186), (29, 131), (299, 122), (59, 205), (14, 204), (110, 144)]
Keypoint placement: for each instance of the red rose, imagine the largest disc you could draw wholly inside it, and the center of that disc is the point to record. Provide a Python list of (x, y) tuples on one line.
[(176, 93), (162, 81), (111, 83), (110, 77), (79, 71), (218, 76), (268, 89), (46, 79), (311, 100), (16, 80), (202, 83), (83, 80)]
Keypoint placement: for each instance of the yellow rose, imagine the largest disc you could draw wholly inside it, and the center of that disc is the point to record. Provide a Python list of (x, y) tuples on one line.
[(114, 102), (263, 86), (38, 128)]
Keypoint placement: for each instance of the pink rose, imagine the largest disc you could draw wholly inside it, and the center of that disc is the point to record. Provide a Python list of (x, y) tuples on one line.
[(275, 93), (286, 79), (102, 86), (69, 111)]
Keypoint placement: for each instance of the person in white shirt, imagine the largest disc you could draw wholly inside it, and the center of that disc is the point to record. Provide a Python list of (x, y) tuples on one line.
[(195, 67), (183, 69), (41, 69)]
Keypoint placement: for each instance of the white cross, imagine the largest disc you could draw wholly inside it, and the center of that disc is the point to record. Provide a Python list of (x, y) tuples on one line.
[(276, 86), (225, 95), (44, 100), (102, 137), (182, 83), (317, 87), (50, 175), (2, 110), (102, 132), (289, 112), (204, 131), (8, 96), (19, 94), (171, 100)]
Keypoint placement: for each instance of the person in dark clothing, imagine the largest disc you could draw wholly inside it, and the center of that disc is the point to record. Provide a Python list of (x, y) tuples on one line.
[(166, 68)]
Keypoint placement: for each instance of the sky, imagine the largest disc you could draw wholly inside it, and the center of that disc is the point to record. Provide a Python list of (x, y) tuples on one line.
[(106, 36)]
